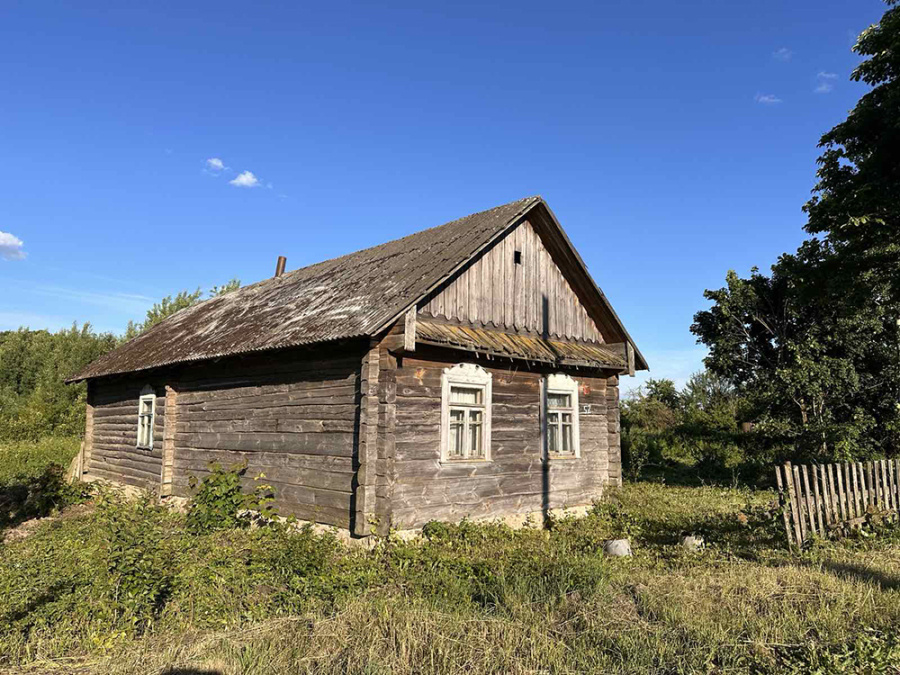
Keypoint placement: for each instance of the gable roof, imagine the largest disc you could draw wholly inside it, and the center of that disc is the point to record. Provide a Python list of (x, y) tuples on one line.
[(356, 295)]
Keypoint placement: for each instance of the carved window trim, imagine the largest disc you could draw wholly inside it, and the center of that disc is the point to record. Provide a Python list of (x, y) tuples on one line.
[(467, 375), (146, 418), (560, 383)]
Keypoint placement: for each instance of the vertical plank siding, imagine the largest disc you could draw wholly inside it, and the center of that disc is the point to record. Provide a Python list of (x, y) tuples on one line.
[(513, 481), (820, 499), (168, 448), (495, 290)]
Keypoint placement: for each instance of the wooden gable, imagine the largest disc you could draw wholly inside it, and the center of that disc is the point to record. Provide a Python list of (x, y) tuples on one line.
[(515, 285)]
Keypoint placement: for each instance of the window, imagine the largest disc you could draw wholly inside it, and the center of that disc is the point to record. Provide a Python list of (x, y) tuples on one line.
[(146, 414), (465, 414), (561, 431)]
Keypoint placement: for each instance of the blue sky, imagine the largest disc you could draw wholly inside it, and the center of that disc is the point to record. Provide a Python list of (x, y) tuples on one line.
[(674, 141)]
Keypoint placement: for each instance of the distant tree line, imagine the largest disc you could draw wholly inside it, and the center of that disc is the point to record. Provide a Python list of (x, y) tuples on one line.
[(34, 400)]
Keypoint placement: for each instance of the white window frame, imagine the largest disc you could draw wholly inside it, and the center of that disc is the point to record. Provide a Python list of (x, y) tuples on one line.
[(147, 394), (560, 383), (471, 376)]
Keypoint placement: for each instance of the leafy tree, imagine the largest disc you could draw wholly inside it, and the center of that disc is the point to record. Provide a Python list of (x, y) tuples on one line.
[(34, 364), (34, 400), (813, 346), (697, 427), (856, 202)]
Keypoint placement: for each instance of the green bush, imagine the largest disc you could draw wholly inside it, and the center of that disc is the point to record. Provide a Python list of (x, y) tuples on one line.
[(219, 501), (137, 556)]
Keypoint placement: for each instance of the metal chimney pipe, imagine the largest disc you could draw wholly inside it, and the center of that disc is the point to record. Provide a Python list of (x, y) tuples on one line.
[(279, 266)]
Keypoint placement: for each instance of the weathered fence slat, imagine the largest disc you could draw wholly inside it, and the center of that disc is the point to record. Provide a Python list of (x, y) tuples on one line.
[(870, 491), (832, 488), (818, 495), (863, 489), (800, 502), (822, 497), (841, 497), (794, 503), (808, 494), (892, 485), (783, 498), (826, 494)]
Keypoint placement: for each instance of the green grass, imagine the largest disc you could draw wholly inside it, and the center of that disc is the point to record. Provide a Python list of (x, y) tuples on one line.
[(25, 459), (126, 588), (32, 480)]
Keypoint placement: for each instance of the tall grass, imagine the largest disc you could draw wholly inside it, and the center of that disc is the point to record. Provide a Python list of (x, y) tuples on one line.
[(128, 588)]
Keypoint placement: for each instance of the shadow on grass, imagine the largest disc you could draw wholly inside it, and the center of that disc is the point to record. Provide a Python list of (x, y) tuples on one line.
[(28, 497), (743, 538), (191, 671), (887, 582), (679, 474)]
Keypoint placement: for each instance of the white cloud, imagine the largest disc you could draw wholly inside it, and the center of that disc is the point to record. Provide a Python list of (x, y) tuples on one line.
[(131, 303), (245, 179), (783, 54), (215, 164), (767, 99), (825, 82), (11, 247)]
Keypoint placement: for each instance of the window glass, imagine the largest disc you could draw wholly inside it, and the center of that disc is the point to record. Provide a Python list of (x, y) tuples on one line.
[(555, 400), (476, 435), (466, 413), (457, 433), (567, 446), (560, 416), (145, 421), (466, 395)]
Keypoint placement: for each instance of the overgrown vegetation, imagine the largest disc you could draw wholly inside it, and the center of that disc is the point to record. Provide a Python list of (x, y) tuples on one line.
[(32, 479), (220, 503), (129, 587), (699, 433)]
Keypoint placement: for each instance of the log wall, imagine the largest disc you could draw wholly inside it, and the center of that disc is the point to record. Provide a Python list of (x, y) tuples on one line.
[(514, 481), (111, 439), (532, 295), (352, 437), (293, 418)]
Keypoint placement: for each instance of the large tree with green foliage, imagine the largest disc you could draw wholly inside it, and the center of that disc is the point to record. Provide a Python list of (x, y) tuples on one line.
[(814, 345), (34, 400)]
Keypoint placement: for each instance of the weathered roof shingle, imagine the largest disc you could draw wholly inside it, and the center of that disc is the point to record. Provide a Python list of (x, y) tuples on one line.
[(350, 296)]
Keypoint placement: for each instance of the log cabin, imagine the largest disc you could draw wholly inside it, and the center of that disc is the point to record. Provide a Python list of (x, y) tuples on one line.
[(468, 370)]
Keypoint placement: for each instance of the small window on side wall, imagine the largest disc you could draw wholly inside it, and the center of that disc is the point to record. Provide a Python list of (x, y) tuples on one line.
[(146, 415), (465, 414), (561, 432)]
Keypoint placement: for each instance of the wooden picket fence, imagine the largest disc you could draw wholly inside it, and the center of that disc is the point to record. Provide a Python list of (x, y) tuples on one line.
[(819, 499)]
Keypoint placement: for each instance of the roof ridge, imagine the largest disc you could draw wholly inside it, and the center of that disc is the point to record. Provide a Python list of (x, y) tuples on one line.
[(532, 198)]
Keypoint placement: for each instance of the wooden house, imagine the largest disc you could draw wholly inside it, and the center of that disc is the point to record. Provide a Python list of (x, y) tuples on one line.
[(470, 369)]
